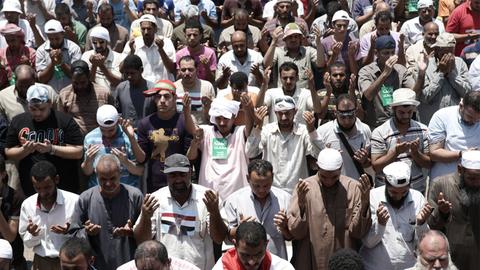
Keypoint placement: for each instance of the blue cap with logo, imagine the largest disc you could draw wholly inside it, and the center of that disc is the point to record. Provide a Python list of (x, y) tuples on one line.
[(37, 94)]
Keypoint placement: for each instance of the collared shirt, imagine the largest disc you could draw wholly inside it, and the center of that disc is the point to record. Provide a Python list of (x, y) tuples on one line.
[(223, 174), (46, 243), (470, 53), (9, 62), (179, 39), (70, 53), (120, 141), (164, 28), (378, 110), (253, 36), (153, 67), (201, 89), (83, 107), (27, 31), (328, 135), (413, 30), (342, 57), (412, 54), (202, 69), (203, 5), (118, 38), (463, 20), (269, 9), (392, 246), (184, 229), (32, 7), (276, 264), (307, 55), (474, 73), (440, 91), (243, 202), (386, 137), (112, 63), (286, 152), (447, 127), (365, 43), (272, 24), (322, 25), (303, 102), (230, 60), (12, 105)]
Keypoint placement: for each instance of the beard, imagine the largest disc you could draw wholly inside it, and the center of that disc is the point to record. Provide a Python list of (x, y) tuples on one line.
[(420, 266), (395, 203), (469, 196), (346, 129)]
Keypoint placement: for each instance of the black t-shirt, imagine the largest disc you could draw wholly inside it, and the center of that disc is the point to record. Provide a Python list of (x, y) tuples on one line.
[(59, 129)]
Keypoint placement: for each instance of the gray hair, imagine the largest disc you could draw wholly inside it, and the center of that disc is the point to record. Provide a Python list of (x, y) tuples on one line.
[(108, 158)]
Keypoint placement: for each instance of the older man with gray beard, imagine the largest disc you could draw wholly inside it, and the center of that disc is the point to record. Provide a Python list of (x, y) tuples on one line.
[(456, 199), (434, 252)]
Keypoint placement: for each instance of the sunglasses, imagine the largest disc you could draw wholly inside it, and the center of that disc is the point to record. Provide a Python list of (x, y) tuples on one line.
[(346, 114)]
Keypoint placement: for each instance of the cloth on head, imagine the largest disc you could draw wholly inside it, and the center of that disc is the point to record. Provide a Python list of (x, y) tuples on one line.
[(424, 4), (223, 107), (284, 103), (397, 174), (191, 11), (159, 86), (403, 97), (471, 159), (100, 32), (11, 29), (107, 116), (5, 250), (385, 42), (329, 159), (37, 94), (284, 1)]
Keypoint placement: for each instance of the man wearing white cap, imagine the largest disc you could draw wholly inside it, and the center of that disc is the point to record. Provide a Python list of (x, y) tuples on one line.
[(43, 133), (157, 53), (293, 51), (413, 28), (104, 63), (6, 255), (402, 139), (319, 198), (207, 11), (74, 30), (43, 10), (224, 159), (456, 200), (54, 57), (399, 219), (12, 11), (164, 27), (113, 136), (285, 143)]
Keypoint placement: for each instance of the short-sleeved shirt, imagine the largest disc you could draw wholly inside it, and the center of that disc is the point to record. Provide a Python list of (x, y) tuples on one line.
[(303, 101), (118, 38), (206, 52), (9, 62), (112, 63), (120, 142), (253, 36), (463, 20), (447, 127), (322, 25), (365, 43), (328, 43), (201, 89), (59, 129), (83, 107), (243, 202), (164, 28), (445, 8), (184, 229), (230, 60), (306, 56), (178, 36), (130, 101), (158, 139), (70, 53), (272, 24), (378, 110), (386, 137), (413, 30)]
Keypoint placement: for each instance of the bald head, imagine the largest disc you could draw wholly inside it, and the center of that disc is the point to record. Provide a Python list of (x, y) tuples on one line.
[(381, 6), (434, 239), (239, 44), (239, 36), (25, 77), (430, 33), (433, 251), (108, 163), (430, 26)]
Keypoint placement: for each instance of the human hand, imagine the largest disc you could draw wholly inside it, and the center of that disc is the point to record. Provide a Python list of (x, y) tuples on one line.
[(309, 118), (91, 152), (187, 104), (127, 126), (281, 220), (402, 147), (32, 228), (211, 201), (28, 147), (260, 114), (389, 64), (423, 215), (124, 231), (302, 190), (361, 155), (159, 42), (276, 35), (58, 229), (327, 82), (149, 205), (92, 229), (444, 206), (365, 187), (382, 214), (121, 154), (45, 147)]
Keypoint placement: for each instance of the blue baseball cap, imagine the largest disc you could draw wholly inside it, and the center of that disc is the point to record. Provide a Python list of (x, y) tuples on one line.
[(385, 42), (37, 94)]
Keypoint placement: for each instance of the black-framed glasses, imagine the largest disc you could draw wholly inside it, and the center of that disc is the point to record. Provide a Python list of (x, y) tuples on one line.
[(347, 114)]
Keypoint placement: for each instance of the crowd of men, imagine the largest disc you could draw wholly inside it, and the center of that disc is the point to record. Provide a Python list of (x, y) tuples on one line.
[(240, 134)]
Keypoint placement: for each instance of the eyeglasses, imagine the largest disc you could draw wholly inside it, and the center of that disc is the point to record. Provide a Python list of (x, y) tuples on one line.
[(346, 114)]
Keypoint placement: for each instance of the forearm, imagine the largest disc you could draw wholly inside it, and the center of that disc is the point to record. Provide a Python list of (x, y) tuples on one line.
[(268, 59), (261, 94), (167, 61), (143, 232), (316, 101), (136, 149), (44, 76), (369, 58), (192, 152), (7, 231), (379, 162), (444, 155), (68, 151), (218, 229), (210, 74), (258, 22), (402, 60), (462, 37), (419, 83), (324, 105), (87, 167), (222, 82), (352, 64), (210, 22), (373, 89), (332, 59), (16, 153), (38, 37), (113, 79), (311, 15), (423, 160), (363, 19), (226, 22), (132, 16), (66, 69), (133, 168)]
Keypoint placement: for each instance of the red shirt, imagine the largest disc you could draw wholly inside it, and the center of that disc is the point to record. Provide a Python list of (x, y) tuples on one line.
[(9, 62), (463, 20)]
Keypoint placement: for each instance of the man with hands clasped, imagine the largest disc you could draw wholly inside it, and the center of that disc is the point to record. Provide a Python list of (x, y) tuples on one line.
[(399, 216), (185, 217), (45, 216)]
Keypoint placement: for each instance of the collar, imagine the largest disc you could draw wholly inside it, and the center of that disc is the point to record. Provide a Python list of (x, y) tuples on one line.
[(60, 200), (337, 129), (254, 198), (217, 131), (295, 130), (193, 196), (235, 59), (408, 200), (64, 45), (230, 261), (301, 51)]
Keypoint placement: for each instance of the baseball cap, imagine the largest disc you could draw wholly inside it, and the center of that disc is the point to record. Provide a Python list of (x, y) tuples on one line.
[(12, 6), (404, 96), (340, 15), (53, 26), (424, 4), (37, 94), (385, 42), (148, 18), (159, 86), (291, 29), (176, 163), (397, 174), (445, 40), (471, 159), (107, 116)]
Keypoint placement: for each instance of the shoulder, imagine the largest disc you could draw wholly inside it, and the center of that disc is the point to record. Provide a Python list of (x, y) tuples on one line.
[(69, 196), (279, 263), (100, 90), (133, 191), (280, 193)]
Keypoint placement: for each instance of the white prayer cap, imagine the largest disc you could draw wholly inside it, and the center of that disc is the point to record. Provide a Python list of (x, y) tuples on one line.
[(397, 174), (191, 11), (223, 107), (471, 159), (5, 250), (284, 103), (329, 159), (100, 32)]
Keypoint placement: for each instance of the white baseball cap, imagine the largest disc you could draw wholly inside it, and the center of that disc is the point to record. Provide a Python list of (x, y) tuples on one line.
[(424, 4), (12, 6), (53, 26), (341, 15), (107, 116), (397, 174), (148, 18)]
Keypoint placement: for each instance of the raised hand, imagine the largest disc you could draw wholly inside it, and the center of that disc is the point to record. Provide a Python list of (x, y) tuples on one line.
[(365, 187), (382, 214), (422, 62), (281, 220), (124, 231), (423, 215), (92, 151), (389, 64), (402, 147), (211, 201), (327, 81), (302, 190), (309, 118), (150, 204), (444, 206), (91, 228), (120, 154), (60, 229), (32, 228), (246, 219), (260, 114), (187, 104), (127, 126)]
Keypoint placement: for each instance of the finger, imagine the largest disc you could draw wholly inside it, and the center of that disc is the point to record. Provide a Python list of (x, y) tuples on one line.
[(440, 196)]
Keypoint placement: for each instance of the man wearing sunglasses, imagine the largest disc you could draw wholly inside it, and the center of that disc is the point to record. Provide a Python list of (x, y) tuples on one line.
[(402, 139)]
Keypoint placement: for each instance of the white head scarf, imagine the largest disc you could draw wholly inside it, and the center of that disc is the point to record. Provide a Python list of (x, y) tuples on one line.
[(101, 33), (223, 107)]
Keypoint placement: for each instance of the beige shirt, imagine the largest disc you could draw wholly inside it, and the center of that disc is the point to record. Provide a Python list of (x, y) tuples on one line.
[(412, 54), (164, 28), (201, 89), (112, 63)]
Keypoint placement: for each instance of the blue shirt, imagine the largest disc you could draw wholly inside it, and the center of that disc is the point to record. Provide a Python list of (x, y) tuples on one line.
[(165, 4), (120, 140), (119, 15)]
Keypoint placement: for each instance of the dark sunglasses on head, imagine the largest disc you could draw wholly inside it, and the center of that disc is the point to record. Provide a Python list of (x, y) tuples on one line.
[(281, 99)]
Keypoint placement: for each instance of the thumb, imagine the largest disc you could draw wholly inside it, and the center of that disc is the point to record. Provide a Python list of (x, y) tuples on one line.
[(129, 223), (440, 196)]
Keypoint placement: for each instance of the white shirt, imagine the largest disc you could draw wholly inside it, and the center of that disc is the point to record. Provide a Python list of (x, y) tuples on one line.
[(392, 246), (40, 20), (153, 67), (277, 264), (413, 30), (164, 28), (184, 229), (287, 153), (112, 63), (230, 60), (447, 126), (269, 9), (474, 74), (46, 243), (303, 102)]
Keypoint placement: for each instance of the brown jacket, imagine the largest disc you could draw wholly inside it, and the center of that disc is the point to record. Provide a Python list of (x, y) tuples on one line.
[(320, 235)]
